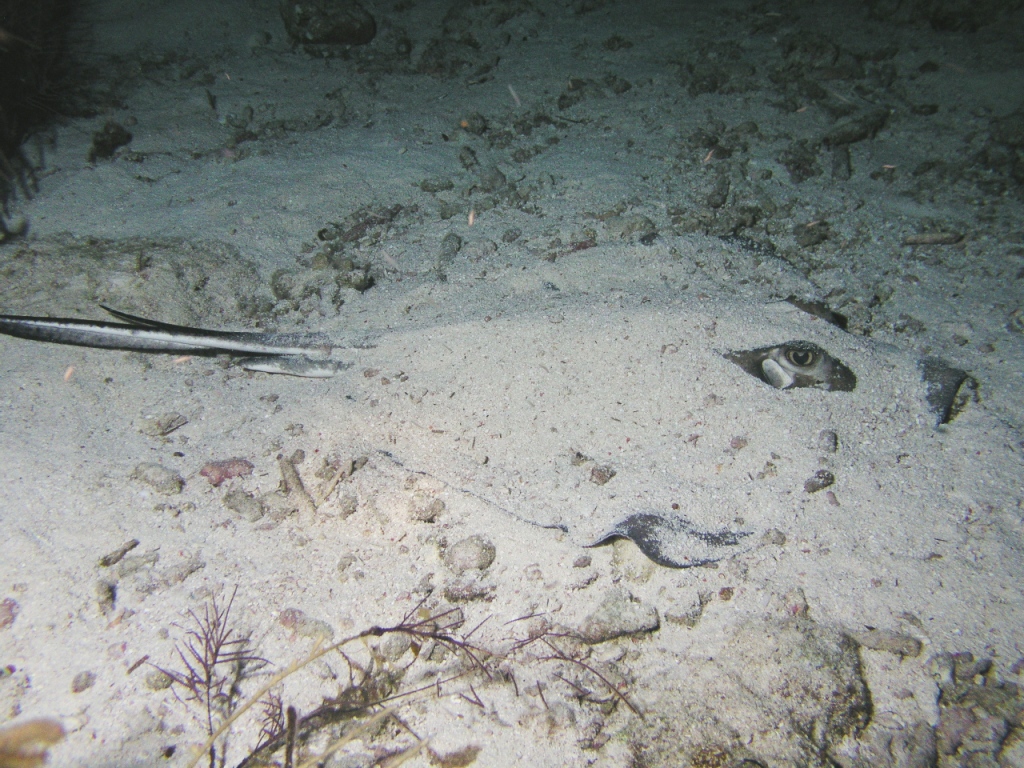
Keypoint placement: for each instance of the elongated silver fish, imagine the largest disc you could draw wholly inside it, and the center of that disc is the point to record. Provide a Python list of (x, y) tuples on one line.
[(296, 354)]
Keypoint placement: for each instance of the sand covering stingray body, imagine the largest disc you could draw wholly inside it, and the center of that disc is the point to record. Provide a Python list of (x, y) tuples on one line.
[(543, 417), (681, 425)]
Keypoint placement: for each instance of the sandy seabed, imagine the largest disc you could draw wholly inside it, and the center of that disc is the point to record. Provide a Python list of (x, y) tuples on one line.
[(533, 231)]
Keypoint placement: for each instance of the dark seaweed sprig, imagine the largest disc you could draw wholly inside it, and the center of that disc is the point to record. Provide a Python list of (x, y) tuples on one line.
[(214, 658), (436, 627), (272, 724), (557, 654), (547, 638), (368, 688)]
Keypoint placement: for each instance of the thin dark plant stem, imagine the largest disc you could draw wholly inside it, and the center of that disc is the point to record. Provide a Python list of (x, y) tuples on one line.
[(214, 659), (562, 656), (433, 628), (289, 743)]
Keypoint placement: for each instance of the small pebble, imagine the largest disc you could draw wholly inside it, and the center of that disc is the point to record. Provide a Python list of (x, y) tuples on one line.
[(348, 504), (118, 554), (821, 480), (159, 478), (183, 569), (303, 625), (689, 615), (578, 459), (245, 505), (472, 553), (394, 646), (467, 587), (345, 570), (83, 681), (583, 579), (622, 227), (9, 610), (774, 536), (106, 596), (828, 441), (886, 640), (425, 508), (618, 615), (474, 123), (135, 563), (156, 680), (219, 471), (162, 424)]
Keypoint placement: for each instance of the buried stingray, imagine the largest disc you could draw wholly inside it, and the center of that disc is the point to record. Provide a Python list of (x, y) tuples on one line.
[(662, 425), (658, 428)]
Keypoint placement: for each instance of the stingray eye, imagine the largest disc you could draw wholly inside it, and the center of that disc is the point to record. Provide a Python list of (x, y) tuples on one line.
[(801, 358)]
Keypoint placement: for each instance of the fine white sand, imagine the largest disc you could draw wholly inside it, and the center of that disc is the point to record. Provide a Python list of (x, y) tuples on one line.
[(576, 329)]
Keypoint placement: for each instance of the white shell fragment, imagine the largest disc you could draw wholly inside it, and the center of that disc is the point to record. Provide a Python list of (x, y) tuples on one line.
[(777, 376)]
